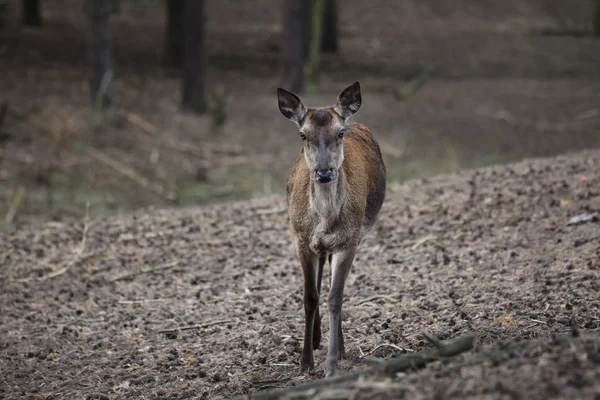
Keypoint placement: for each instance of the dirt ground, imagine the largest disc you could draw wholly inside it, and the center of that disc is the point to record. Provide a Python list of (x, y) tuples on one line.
[(488, 251), (513, 79)]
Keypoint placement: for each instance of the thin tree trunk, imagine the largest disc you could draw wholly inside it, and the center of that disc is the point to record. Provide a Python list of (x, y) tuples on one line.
[(174, 33), (31, 13), (293, 46), (194, 64), (316, 24), (100, 53), (3, 24), (597, 19), (329, 39)]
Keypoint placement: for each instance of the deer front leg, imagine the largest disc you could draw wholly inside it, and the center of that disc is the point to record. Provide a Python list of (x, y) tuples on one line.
[(340, 267), (316, 340), (311, 303)]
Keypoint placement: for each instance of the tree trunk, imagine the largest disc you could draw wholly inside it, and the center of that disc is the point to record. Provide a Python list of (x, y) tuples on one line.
[(3, 24), (100, 53), (174, 33), (329, 39), (31, 13), (294, 44), (316, 24), (194, 63), (597, 19)]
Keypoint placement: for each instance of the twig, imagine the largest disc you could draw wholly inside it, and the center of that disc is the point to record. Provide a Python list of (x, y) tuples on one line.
[(130, 173), (14, 204), (140, 301), (141, 271), (390, 367), (537, 321), (76, 254), (364, 355), (197, 326), (390, 298), (422, 241)]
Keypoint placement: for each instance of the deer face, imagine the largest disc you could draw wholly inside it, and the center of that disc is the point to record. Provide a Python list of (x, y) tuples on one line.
[(322, 130)]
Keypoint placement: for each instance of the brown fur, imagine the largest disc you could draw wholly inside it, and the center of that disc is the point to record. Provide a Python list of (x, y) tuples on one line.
[(364, 177), (334, 192)]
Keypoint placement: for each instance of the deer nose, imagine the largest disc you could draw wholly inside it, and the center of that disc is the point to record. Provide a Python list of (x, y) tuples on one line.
[(324, 175)]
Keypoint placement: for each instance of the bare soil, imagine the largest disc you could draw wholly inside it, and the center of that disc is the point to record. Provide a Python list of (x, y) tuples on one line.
[(487, 251), (511, 81)]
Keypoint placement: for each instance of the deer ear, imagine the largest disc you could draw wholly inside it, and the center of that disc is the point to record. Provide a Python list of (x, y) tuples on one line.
[(349, 101), (290, 105)]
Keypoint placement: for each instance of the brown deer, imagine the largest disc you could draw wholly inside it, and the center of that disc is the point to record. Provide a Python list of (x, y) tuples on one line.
[(334, 192)]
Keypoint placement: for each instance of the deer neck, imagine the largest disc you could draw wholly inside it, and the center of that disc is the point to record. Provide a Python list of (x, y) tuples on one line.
[(326, 200)]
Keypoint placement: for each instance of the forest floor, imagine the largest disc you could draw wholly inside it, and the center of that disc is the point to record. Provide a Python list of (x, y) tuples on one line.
[(91, 271), (512, 79), (493, 251)]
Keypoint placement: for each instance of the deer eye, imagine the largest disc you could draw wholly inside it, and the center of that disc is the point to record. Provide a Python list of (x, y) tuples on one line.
[(303, 136), (342, 133)]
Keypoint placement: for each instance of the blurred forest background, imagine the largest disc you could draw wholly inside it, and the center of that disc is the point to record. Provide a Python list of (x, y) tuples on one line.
[(134, 103)]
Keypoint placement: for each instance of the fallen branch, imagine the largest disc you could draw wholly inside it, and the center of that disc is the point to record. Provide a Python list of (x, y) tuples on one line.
[(130, 173), (141, 271), (442, 350), (197, 326), (76, 254)]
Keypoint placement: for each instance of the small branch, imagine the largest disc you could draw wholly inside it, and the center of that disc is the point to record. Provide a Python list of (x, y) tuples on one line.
[(390, 298), (197, 326), (141, 271), (423, 240), (140, 301), (389, 367), (76, 254), (393, 346)]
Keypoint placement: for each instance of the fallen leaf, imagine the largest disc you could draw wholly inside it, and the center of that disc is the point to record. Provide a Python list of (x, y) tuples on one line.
[(565, 203)]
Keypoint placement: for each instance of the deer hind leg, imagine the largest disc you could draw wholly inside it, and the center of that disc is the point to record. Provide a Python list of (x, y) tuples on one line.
[(340, 268), (316, 339)]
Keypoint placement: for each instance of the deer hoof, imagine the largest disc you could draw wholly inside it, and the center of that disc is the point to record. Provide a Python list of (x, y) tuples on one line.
[(316, 343), (306, 366), (331, 368)]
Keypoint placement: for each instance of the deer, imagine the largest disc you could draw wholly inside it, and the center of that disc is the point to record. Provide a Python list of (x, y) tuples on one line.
[(334, 192)]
